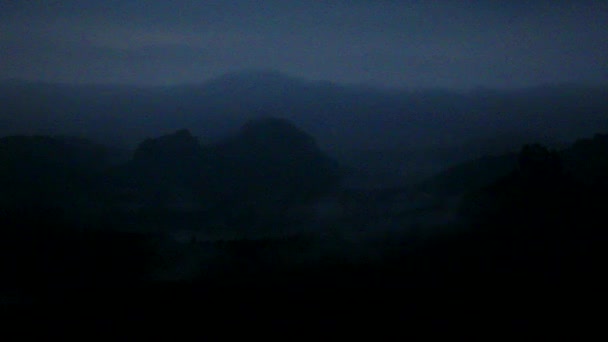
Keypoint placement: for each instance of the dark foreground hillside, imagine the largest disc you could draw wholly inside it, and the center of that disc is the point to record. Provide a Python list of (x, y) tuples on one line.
[(528, 246)]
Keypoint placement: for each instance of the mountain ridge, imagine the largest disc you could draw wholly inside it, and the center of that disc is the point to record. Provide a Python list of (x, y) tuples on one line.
[(342, 118), (265, 74)]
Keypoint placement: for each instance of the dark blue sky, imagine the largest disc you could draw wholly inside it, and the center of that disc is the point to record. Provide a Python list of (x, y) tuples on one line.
[(452, 44)]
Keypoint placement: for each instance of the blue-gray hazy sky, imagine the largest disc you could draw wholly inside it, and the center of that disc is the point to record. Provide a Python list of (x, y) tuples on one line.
[(392, 43)]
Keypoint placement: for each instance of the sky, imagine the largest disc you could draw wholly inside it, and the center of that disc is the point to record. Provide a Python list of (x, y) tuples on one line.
[(433, 43)]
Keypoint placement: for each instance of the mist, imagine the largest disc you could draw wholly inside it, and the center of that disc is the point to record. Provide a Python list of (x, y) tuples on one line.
[(158, 159)]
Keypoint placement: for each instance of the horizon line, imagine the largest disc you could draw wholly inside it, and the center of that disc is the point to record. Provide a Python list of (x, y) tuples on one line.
[(360, 85)]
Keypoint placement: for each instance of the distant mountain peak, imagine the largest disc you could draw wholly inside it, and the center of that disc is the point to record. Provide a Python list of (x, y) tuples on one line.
[(256, 73), (253, 77)]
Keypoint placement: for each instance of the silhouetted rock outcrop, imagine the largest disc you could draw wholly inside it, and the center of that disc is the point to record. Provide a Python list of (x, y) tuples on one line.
[(163, 170), (168, 148), (274, 160), (174, 159), (257, 175)]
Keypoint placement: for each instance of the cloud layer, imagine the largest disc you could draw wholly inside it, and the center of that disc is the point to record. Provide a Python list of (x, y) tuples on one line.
[(389, 43)]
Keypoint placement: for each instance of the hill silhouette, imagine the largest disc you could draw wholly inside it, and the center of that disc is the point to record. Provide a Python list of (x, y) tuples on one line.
[(344, 120), (269, 166), (271, 160), (175, 219)]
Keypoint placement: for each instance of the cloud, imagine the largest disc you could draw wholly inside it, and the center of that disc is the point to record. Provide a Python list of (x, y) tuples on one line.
[(410, 43)]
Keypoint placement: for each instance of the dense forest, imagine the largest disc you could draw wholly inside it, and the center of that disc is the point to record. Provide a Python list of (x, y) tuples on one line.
[(267, 214)]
